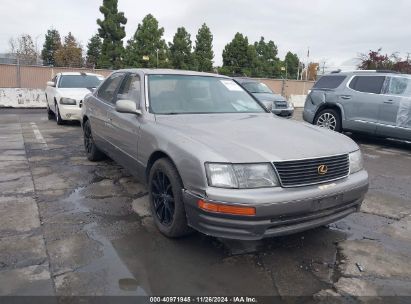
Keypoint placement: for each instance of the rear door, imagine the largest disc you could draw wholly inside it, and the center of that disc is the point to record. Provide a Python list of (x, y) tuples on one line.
[(395, 109), (101, 105), (361, 101), (125, 126)]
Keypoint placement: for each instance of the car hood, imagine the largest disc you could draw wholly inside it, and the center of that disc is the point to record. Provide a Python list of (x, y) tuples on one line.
[(256, 137), (75, 93), (269, 97)]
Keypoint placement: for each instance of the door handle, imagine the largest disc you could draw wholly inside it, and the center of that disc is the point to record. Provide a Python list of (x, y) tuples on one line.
[(390, 101), (346, 97)]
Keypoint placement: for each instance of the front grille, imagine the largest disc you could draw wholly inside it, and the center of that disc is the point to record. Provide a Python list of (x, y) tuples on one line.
[(305, 172), (280, 104)]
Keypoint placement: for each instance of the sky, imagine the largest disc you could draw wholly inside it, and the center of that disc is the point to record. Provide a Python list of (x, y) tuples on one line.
[(335, 31)]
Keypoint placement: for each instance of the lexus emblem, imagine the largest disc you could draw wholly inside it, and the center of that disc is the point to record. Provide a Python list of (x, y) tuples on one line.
[(322, 169)]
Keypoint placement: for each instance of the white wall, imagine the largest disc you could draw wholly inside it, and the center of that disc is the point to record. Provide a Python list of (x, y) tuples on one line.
[(297, 100), (22, 98), (35, 98)]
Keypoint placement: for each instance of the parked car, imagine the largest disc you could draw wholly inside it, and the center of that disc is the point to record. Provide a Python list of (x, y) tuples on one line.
[(262, 92), (216, 160), (373, 102), (65, 94)]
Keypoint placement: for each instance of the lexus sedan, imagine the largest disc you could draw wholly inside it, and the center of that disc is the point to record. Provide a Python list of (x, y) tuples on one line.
[(206, 149)]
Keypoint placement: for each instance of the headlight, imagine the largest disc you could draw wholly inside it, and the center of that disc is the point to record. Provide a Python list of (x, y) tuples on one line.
[(241, 176), (356, 163), (67, 101)]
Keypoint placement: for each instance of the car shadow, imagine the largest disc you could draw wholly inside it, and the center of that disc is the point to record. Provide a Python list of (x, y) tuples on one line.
[(383, 142)]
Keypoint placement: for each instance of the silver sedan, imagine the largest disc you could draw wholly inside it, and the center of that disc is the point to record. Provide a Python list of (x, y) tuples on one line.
[(215, 159)]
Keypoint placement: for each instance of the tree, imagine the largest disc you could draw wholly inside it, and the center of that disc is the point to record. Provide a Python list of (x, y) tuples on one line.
[(70, 54), (312, 71), (180, 50), (147, 48), (93, 51), (112, 32), (239, 57), (375, 60), (23, 48), (268, 64), (203, 50), (51, 44), (291, 63)]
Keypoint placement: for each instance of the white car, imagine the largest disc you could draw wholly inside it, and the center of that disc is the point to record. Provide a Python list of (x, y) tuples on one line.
[(65, 94)]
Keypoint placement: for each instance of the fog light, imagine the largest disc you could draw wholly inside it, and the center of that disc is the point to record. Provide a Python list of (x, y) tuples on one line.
[(227, 209)]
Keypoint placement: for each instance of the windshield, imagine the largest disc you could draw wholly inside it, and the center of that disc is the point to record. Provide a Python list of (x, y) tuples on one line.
[(179, 94), (257, 87), (79, 81)]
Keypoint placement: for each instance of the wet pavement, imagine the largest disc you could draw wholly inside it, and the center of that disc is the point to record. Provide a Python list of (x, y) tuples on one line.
[(72, 227)]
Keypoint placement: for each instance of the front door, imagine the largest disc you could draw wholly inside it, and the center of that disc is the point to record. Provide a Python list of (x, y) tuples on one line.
[(102, 105), (125, 126)]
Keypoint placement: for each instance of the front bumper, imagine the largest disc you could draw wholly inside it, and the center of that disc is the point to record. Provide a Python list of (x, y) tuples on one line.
[(309, 112), (279, 211), (70, 112), (284, 112)]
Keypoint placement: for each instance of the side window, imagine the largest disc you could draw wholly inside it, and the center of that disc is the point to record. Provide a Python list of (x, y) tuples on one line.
[(367, 84), (109, 87), (399, 86), (329, 82), (130, 89)]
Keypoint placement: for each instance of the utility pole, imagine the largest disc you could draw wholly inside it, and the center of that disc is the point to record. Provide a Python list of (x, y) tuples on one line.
[(286, 70), (306, 69)]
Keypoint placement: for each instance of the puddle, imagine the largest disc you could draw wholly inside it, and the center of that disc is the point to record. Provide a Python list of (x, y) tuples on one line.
[(128, 284), (119, 280)]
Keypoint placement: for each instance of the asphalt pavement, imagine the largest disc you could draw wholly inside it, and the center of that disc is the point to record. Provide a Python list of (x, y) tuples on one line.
[(73, 227)]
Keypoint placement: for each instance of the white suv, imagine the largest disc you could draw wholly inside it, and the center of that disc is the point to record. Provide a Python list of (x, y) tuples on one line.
[(65, 94)]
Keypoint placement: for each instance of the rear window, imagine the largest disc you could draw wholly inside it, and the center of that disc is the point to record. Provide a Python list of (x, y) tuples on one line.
[(329, 82), (367, 84), (79, 81), (399, 86)]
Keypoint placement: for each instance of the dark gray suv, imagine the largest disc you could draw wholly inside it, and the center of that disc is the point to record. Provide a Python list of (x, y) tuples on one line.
[(372, 102), (263, 93)]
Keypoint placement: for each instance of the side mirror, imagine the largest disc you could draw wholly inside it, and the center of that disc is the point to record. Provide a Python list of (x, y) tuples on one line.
[(127, 106), (268, 105), (51, 84)]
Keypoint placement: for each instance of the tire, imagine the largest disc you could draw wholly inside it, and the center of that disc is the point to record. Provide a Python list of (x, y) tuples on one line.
[(329, 119), (59, 120), (50, 114), (93, 153), (166, 199)]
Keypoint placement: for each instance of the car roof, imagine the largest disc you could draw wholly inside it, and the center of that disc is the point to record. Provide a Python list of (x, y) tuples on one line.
[(246, 80), (367, 73), (170, 72), (78, 73)]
